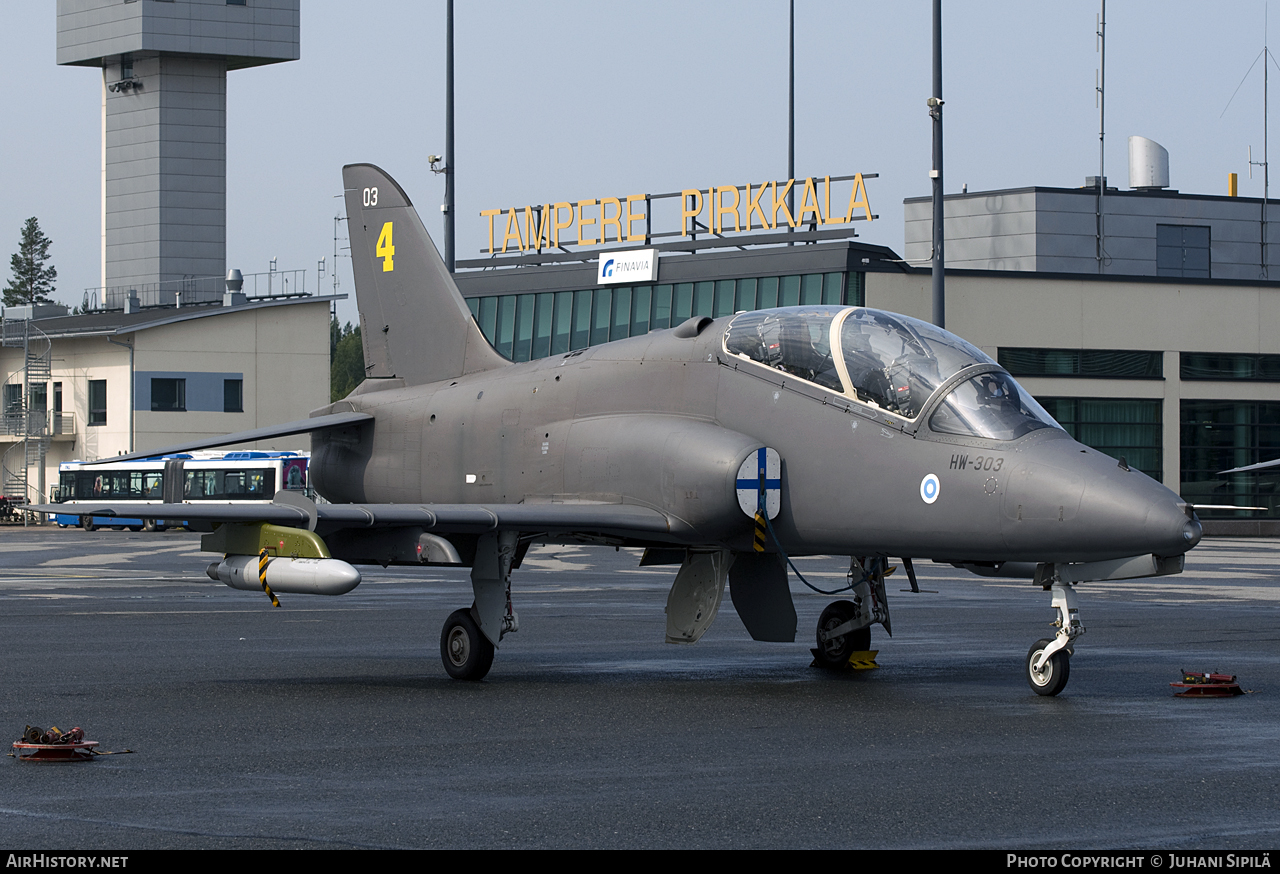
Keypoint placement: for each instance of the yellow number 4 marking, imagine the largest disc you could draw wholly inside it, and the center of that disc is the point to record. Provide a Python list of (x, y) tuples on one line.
[(386, 249)]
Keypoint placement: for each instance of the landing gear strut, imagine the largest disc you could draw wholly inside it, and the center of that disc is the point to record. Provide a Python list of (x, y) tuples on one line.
[(1049, 660)]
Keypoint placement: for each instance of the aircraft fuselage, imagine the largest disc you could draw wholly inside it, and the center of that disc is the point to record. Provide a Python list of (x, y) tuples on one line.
[(664, 421)]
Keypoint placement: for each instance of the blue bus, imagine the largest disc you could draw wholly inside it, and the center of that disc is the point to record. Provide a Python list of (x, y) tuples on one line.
[(225, 477)]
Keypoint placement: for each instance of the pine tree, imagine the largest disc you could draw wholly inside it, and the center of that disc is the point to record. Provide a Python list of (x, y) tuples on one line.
[(32, 280), (346, 362)]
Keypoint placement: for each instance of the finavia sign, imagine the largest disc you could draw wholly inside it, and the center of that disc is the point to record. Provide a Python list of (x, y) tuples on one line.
[(636, 265)]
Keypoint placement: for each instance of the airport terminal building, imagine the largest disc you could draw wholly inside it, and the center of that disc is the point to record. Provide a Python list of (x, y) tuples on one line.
[(1173, 363)]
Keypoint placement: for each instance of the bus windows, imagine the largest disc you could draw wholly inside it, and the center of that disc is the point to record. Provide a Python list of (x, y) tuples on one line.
[(247, 477), (256, 484)]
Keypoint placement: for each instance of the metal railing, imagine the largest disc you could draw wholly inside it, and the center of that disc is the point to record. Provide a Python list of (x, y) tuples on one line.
[(25, 412), (194, 291), (14, 423)]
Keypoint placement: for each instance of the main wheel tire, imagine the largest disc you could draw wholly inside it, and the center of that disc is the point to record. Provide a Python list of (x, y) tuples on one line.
[(148, 524), (467, 654), (834, 653), (86, 522), (1051, 679)]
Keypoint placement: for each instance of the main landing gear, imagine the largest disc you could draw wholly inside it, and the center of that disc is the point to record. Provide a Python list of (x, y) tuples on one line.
[(844, 628), (470, 636), (1049, 660), (835, 644), (467, 654)]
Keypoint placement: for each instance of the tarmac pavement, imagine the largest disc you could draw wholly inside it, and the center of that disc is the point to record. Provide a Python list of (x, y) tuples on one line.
[(330, 722)]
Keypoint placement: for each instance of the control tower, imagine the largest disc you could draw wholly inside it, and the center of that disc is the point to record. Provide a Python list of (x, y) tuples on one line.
[(164, 121)]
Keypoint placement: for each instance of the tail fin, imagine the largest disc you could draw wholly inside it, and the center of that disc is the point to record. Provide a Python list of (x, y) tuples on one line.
[(413, 320)]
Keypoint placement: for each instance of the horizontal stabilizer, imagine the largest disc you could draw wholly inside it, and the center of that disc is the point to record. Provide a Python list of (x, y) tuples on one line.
[(302, 426)]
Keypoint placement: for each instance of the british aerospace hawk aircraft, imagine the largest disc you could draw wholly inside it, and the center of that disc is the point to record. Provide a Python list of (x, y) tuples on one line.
[(723, 446)]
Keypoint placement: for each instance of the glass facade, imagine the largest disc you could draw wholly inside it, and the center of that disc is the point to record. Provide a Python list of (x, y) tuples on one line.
[(1220, 435), (1104, 363), (525, 327), (1230, 368), (1129, 427)]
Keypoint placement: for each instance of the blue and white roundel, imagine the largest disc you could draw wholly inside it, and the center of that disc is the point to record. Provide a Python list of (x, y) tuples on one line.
[(760, 482), (929, 488)]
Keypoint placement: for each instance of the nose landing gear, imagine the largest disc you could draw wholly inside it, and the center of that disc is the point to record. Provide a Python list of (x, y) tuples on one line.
[(1049, 660)]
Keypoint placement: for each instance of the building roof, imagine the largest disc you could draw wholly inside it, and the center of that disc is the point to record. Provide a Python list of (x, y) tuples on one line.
[(116, 323), (1090, 191)]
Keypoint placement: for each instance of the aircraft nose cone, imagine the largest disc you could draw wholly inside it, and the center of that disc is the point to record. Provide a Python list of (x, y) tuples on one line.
[(1192, 530), (1070, 503), (1169, 528)]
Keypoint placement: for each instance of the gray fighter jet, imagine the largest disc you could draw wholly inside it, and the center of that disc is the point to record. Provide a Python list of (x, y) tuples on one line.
[(723, 446)]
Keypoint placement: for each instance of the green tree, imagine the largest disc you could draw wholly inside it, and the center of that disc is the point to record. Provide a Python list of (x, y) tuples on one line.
[(346, 360), (32, 280)]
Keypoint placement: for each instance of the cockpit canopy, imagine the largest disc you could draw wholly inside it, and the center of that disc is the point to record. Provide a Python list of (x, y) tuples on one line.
[(889, 361)]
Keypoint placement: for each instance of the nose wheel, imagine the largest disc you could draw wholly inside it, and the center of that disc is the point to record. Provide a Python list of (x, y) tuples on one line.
[(467, 654), (1051, 677)]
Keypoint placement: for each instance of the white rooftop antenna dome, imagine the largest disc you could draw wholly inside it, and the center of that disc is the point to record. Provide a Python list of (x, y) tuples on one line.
[(1148, 164)]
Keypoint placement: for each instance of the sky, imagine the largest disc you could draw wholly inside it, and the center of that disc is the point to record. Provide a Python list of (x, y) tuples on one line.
[(568, 100)]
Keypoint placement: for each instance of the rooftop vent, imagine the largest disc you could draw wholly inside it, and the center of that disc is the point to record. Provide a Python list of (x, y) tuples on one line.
[(233, 296), (1148, 164)]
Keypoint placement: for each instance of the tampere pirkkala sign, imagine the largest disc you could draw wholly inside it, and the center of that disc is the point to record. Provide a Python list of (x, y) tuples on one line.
[(729, 208)]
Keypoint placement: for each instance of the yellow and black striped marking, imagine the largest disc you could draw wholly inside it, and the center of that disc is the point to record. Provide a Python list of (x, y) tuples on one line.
[(263, 558), (760, 531), (864, 661)]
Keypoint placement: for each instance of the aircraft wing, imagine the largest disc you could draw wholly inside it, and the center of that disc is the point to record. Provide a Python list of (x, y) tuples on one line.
[(473, 518), (302, 426), (1262, 465), (624, 519)]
